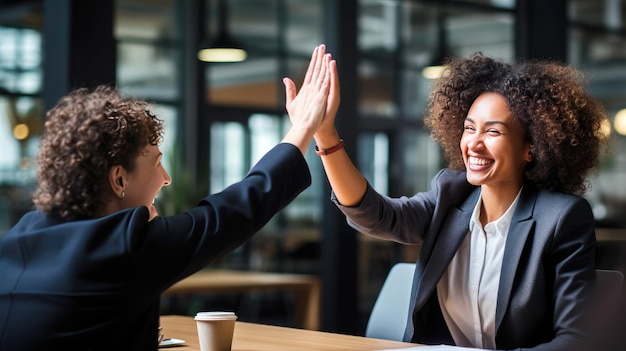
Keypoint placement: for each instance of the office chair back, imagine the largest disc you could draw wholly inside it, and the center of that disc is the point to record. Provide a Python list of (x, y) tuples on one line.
[(391, 309), (609, 282), (609, 292), (607, 323)]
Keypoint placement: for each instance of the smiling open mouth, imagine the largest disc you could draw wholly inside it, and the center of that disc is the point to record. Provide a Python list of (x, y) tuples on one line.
[(479, 161)]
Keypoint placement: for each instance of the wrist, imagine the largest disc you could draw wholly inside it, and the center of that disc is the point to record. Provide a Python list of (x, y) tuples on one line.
[(324, 152), (326, 140)]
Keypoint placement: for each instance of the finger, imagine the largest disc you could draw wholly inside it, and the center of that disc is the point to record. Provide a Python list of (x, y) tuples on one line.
[(322, 77), (334, 74), (290, 91), (319, 62), (309, 70), (334, 95), (326, 75)]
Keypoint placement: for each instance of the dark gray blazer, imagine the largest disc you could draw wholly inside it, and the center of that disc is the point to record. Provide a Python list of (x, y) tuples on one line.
[(548, 269), (94, 284)]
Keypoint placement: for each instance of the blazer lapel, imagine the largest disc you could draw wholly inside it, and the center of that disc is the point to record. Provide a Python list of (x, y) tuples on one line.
[(452, 232), (521, 226)]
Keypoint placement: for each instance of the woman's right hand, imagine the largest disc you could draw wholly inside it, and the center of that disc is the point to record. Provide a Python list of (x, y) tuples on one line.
[(347, 182), (326, 135), (327, 128)]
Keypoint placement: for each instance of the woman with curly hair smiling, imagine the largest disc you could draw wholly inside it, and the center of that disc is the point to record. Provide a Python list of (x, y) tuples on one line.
[(91, 133), (85, 271), (507, 257)]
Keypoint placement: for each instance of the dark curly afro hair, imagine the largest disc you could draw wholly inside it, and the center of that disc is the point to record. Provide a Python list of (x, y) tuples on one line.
[(85, 134), (565, 126)]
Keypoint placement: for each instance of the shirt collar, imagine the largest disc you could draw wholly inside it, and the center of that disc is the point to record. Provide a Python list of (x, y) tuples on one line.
[(500, 225)]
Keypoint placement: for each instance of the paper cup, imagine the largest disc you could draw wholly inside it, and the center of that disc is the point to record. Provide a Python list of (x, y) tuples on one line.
[(215, 330)]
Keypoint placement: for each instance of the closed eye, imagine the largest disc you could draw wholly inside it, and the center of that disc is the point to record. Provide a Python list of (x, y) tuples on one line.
[(469, 128)]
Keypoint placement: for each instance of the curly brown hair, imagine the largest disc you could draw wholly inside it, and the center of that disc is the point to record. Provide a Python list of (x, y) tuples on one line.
[(85, 134), (564, 124)]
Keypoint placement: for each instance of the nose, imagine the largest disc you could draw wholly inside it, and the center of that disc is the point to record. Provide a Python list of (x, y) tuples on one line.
[(474, 141), (167, 180)]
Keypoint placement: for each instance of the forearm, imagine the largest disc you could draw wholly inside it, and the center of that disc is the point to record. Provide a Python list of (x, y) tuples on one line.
[(345, 179), (299, 137)]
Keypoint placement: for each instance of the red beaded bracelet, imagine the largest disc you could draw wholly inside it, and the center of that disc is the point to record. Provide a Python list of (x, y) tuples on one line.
[(331, 150)]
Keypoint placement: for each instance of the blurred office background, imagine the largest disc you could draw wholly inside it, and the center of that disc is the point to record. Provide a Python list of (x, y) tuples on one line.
[(221, 117)]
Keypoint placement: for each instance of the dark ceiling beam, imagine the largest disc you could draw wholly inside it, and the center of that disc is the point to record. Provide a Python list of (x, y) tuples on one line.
[(541, 29), (79, 47)]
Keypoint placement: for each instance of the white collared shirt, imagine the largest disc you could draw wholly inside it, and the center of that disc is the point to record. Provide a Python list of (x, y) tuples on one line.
[(468, 290)]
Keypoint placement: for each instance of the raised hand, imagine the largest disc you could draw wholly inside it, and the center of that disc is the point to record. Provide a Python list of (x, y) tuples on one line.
[(332, 104), (326, 135), (308, 107)]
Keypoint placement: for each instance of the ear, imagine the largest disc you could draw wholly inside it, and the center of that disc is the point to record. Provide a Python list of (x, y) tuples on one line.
[(529, 155), (117, 180)]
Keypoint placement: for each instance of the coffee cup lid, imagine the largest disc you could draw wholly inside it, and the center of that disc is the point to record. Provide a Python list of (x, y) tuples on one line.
[(208, 316)]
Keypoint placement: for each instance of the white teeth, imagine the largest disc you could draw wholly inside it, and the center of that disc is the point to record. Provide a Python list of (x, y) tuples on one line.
[(479, 161)]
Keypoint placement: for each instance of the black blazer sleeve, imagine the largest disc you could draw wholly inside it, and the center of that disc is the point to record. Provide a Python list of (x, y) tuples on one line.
[(95, 283), (175, 247)]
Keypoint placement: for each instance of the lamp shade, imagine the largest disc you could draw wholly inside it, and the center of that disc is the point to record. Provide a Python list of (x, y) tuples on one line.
[(223, 49), (436, 67)]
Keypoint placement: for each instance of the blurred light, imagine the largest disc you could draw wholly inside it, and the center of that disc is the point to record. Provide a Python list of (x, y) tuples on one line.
[(25, 163), (599, 211), (606, 128), (436, 67), (224, 48), (222, 54), (620, 122), (21, 131), (433, 72)]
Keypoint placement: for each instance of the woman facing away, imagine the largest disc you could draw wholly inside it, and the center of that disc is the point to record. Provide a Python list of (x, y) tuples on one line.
[(507, 257), (86, 269)]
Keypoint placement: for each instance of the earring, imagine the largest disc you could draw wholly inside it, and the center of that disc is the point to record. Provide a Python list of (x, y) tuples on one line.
[(123, 194)]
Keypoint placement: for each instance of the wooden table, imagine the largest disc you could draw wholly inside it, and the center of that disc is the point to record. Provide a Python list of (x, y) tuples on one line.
[(306, 289), (261, 337)]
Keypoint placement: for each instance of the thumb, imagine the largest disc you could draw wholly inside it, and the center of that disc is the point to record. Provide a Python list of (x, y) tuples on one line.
[(290, 91)]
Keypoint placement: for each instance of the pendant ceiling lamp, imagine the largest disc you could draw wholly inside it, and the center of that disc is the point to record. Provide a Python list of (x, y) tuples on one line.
[(435, 69), (224, 48)]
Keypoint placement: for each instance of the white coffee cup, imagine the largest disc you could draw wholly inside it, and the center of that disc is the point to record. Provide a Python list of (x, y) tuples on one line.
[(215, 330)]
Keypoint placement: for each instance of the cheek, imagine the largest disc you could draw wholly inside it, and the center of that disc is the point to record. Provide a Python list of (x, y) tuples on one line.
[(156, 183), (147, 187)]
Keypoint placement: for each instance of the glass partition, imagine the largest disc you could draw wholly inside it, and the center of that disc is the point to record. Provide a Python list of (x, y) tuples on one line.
[(21, 116), (597, 46), (149, 56)]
